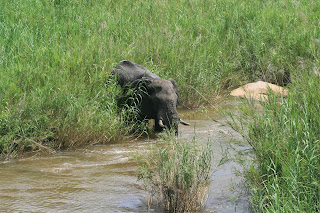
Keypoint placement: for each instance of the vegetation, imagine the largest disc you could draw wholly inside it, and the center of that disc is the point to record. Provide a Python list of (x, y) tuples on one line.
[(286, 142), (55, 56), (177, 174)]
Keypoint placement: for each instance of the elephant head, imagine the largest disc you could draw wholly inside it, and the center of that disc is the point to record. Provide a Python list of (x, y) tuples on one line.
[(159, 102)]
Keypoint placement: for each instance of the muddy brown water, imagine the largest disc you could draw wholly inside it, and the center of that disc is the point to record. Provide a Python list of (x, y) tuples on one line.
[(103, 178)]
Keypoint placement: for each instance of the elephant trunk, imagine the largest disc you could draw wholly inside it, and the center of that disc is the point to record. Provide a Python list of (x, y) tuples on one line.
[(168, 120)]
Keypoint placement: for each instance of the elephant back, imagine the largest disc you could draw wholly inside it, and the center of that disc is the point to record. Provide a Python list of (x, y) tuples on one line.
[(128, 71)]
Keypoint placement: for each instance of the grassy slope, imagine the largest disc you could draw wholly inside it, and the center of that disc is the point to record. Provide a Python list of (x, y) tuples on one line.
[(55, 56)]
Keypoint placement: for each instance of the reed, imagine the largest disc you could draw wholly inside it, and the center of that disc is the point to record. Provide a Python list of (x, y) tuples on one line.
[(286, 142), (176, 174)]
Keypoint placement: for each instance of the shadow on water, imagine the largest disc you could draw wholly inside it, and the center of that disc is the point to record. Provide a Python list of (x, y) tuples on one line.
[(102, 178)]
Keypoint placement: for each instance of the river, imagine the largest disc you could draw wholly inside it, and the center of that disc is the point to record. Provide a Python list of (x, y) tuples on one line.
[(102, 178)]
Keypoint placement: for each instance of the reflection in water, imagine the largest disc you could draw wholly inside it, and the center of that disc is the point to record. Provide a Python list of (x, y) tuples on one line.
[(103, 178)]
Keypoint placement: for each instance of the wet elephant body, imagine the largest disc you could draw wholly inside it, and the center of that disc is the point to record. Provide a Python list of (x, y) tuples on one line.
[(157, 98)]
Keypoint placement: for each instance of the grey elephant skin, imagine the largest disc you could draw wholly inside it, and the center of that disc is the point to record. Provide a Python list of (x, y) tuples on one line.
[(156, 98)]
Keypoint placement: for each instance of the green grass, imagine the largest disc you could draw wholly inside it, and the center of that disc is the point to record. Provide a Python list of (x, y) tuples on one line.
[(176, 174), (286, 142), (55, 56)]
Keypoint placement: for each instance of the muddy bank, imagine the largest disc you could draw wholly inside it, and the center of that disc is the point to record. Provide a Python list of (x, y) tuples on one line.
[(103, 178)]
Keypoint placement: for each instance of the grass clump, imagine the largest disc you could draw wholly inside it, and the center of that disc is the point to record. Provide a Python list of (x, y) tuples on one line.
[(286, 142), (176, 175)]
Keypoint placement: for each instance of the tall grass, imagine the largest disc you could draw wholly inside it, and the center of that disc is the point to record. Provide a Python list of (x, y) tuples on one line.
[(286, 142), (177, 174), (55, 55)]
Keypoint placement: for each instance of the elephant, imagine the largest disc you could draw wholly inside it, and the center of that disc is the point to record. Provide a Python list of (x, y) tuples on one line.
[(158, 98)]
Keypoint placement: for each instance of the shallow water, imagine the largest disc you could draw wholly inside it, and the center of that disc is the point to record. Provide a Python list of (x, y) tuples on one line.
[(102, 178)]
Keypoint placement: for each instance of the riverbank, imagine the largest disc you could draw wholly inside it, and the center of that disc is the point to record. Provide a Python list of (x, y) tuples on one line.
[(56, 56), (284, 135)]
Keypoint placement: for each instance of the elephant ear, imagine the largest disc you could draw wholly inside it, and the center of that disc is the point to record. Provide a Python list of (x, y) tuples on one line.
[(175, 87), (141, 81), (141, 84)]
